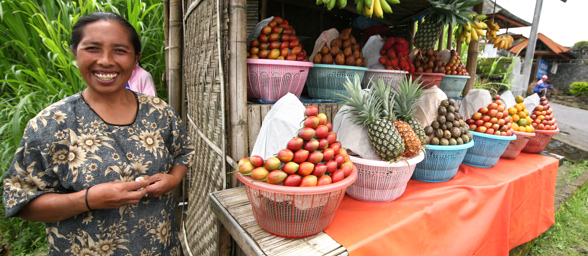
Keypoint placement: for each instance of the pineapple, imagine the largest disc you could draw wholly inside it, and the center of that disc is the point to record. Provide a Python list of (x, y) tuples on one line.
[(409, 93), (444, 12), (377, 117)]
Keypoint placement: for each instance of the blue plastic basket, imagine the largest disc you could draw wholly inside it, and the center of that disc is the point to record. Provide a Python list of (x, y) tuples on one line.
[(324, 80), (453, 85), (441, 162), (487, 150)]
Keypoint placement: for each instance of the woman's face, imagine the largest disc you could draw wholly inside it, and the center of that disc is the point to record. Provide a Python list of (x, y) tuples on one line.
[(105, 56)]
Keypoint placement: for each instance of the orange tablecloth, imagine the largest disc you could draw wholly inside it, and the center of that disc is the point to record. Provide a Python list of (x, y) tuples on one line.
[(481, 211)]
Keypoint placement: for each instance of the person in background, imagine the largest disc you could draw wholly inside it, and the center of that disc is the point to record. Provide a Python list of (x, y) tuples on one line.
[(141, 82), (541, 87)]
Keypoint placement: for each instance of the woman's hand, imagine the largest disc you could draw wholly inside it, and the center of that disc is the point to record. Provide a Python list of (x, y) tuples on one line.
[(115, 194), (162, 183)]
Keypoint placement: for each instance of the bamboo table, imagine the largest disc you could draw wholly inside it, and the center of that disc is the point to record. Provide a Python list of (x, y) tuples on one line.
[(233, 210)]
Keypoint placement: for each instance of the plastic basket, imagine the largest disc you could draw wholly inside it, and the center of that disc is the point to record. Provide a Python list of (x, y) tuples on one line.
[(487, 149), (386, 75), (514, 147), (295, 212), (540, 141), (428, 80), (453, 85), (271, 79), (441, 162), (380, 181), (324, 80)]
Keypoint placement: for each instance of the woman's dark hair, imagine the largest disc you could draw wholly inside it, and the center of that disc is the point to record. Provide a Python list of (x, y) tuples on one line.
[(78, 28)]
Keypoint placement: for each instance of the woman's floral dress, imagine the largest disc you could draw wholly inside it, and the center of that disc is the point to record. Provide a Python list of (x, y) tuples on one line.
[(67, 148)]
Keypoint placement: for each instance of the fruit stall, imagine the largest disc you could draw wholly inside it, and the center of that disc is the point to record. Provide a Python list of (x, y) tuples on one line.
[(286, 177)]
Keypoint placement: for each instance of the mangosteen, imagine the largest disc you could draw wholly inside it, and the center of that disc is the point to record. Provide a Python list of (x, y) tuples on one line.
[(429, 130), (435, 125), (455, 132), (452, 142), (449, 125), (443, 142), (439, 133), (447, 134), (459, 141), (435, 141), (451, 102), (450, 117), (471, 136), (445, 103), (451, 109), (443, 127), (442, 111), (465, 138), (441, 119), (456, 123)]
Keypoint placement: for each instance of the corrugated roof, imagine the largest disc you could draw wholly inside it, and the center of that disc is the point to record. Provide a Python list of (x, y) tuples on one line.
[(503, 14)]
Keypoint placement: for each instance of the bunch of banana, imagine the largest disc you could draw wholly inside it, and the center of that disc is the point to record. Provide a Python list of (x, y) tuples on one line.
[(492, 29), (471, 31), (377, 7), (331, 3), (502, 42)]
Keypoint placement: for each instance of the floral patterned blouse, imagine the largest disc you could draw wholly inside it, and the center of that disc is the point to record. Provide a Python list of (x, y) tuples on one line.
[(67, 147)]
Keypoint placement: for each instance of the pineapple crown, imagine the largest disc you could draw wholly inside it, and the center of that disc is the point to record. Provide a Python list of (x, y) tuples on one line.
[(409, 93), (364, 106), (386, 98), (449, 12)]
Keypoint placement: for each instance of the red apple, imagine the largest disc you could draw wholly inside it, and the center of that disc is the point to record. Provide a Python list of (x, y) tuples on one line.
[(278, 19), (273, 54), (491, 106), (483, 110), (285, 38), (492, 112), (479, 122), (481, 129), (262, 38), (477, 116), (254, 43), (274, 45), (277, 30), (273, 37), (473, 127), (284, 52), (291, 56), (486, 119), (263, 54), (297, 50), (266, 30), (263, 46), (293, 44), (272, 24), (254, 51), (287, 31), (284, 45), (488, 124)]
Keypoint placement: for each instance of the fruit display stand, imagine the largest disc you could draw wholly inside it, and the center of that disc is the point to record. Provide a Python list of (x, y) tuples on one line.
[(539, 142), (428, 79), (514, 147), (386, 75), (324, 80), (271, 79), (487, 149), (380, 181), (441, 162), (453, 85)]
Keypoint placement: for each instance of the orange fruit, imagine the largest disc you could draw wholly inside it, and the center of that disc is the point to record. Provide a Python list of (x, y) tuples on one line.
[(522, 114), (519, 107), (515, 126), (522, 129), (526, 111), (516, 118), (519, 99), (512, 111), (522, 122), (529, 120)]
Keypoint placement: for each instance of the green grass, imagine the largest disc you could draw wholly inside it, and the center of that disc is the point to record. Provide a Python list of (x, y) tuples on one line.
[(37, 69), (578, 169)]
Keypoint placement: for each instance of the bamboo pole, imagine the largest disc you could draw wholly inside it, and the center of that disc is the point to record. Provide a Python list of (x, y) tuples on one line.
[(449, 38), (441, 39), (165, 76), (472, 57), (175, 55)]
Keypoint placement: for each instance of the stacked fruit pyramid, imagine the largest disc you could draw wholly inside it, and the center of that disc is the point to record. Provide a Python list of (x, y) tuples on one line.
[(449, 128), (428, 62), (395, 55), (542, 116), (313, 158), (521, 121), (455, 66), (343, 51), (277, 41), (493, 119)]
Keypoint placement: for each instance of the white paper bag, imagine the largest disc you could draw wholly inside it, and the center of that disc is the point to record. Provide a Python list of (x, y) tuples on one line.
[(280, 125), (257, 29), (531, 102), (352, 136), (426, 111), (371, 52), (474, 100), (508, 99), (326, 37)]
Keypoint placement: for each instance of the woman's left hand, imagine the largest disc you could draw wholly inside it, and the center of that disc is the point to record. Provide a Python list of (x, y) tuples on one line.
[(162, 183)]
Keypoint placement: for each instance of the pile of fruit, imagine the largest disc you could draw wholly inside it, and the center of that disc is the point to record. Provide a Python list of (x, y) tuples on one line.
[(455, 66), (521, 121), (313, 158), (428, 62), (449, 128), (371, 7), (277, 41), (500, 42), (471, 31), (542, 116), (493, 119), (395, 55), (342, 51)]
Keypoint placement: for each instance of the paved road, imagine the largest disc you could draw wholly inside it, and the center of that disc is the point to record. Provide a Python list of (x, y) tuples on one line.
[(573, 125)]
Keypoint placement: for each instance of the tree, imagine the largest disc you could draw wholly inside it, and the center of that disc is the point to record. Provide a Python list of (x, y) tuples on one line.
[(581, 44)]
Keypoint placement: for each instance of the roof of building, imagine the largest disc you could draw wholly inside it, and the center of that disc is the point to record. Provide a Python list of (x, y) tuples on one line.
[(504, 17), (551, 48)]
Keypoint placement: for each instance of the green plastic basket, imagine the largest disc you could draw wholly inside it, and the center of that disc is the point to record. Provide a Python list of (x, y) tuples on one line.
[(324, 80)]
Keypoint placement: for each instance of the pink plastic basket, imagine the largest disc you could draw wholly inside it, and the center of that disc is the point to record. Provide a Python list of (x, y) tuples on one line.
[(295, 212), (271, 79), (380, 181), (540, 141), (514, 148), (386, 75), (428, 79)]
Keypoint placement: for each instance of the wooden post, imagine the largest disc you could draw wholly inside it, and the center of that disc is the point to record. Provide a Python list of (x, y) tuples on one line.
[(449, 38), (263, 10), (165, 76), (441, 39), (472, 58), (175, 55), (411, 30)]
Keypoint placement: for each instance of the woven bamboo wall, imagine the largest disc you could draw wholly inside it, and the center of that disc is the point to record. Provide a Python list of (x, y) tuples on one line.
[(202, 83)]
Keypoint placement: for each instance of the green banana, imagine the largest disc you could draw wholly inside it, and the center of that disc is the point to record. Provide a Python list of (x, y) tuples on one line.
[(393, 1), (368, 3), (342, 3), (481, 16), (459, 29), (319, 2), (386, 7), (331, 4), (360, 7)]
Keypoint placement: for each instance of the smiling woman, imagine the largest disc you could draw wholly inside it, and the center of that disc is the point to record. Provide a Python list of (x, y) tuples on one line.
[(76, 165)]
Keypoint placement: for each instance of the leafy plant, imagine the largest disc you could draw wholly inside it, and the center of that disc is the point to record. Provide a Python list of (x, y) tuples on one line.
[(581, 44), (579, 88)]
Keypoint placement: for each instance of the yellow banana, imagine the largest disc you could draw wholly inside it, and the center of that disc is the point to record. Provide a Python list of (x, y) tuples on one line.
[(468, 39), (475, 35), (385, 6), (369, 10), (479, 32), (462, 38), (378, 9), (368, 3)]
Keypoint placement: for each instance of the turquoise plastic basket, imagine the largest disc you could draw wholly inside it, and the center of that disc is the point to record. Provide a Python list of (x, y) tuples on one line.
[(487, 149), (441, 162), (324, 80), (453, 85)]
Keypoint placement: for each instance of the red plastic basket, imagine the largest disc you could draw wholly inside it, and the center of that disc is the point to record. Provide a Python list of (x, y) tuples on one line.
[(271, 79), (380, 181), (514, 148), (295, 212), (540, 141), (428, 79)]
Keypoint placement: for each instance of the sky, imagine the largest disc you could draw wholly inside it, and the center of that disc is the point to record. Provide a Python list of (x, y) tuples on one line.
[(564, 23)]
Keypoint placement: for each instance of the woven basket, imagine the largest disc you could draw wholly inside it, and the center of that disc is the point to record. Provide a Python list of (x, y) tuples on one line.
[(514, 148), (487, 149), (441, 162), (295, 212), (324, 80), (387, 76), (540, 141), (379, 181), (271, 79)]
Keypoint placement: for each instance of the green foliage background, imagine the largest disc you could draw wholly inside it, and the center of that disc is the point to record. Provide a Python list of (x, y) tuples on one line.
[(37, 68), (579, 88)]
